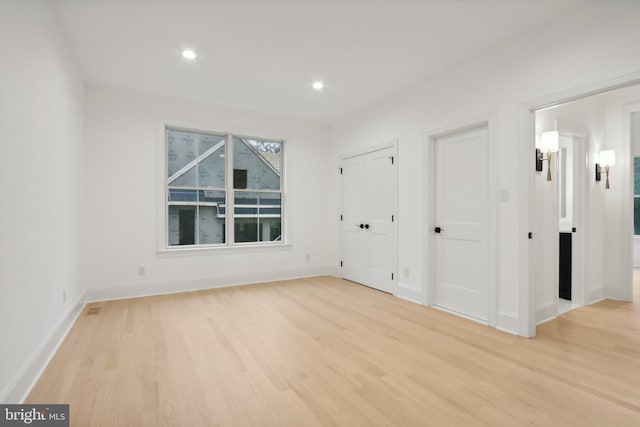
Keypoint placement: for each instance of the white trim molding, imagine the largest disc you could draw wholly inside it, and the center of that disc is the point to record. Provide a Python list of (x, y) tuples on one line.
[(409, 293), (175, 286), (507, 322), (529, 311), (28, 375), (546, 312), (486, 120), (636, 253)]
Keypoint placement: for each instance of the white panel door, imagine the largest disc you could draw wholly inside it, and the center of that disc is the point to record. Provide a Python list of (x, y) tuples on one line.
[(461, 259), (380, 185), (354, 239), (368, 203)]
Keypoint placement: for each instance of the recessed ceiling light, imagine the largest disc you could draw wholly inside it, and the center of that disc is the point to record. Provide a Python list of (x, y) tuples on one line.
[(189, 54), (317, 85)]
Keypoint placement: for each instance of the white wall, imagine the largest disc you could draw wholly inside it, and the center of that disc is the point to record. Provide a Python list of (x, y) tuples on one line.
[(124, 178), (596, 43), (41, 116)]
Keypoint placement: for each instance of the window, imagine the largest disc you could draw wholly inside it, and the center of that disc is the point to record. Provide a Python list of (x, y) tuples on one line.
[(240, 178), (200, 191), (636, 196)]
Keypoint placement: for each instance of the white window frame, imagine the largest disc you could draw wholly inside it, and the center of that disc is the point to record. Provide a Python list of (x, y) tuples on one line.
[(229, 243)]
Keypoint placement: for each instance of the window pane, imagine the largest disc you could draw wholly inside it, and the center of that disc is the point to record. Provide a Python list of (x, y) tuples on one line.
[(270, 217), (212, 196), (257, 216), (212, 223), (207, 142), (246, 229), (261, 160), (182, 225), (211, 169), (245, 216), (240, 179), (187, 179), (177, 195), (246, 203), (212, 217), (181, 150)]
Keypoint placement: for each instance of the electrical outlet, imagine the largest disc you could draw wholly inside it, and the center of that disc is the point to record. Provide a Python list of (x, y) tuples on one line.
[(141, 270)]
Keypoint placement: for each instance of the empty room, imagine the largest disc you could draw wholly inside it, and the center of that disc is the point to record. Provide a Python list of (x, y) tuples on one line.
[(299, 213)]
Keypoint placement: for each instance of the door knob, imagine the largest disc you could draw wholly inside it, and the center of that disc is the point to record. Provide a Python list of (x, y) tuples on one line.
[(366, 226), (438, 230), (360, 225)]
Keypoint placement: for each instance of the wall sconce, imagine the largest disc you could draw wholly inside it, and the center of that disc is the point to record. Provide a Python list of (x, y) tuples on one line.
[(548, 145), (607, 158)]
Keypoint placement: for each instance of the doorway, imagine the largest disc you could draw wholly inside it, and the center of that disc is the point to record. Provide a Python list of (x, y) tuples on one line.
[(572, 165), (582, 226), (368, 218)]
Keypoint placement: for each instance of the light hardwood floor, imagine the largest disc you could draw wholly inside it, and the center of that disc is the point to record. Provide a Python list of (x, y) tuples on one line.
[(324, 351)]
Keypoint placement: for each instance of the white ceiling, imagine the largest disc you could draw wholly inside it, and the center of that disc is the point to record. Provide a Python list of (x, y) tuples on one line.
[(264, 55)]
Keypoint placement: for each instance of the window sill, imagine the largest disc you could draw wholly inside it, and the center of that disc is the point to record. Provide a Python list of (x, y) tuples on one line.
[(221, 250)]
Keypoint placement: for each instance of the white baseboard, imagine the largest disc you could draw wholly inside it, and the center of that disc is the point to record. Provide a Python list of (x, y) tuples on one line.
[(23, 381), (455, 313), (409, 293), (597, 301), (175, 286), (546, 312), (595, 294), (507, 322)]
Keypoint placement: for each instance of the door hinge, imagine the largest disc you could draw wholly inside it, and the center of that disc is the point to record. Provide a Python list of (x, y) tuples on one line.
[(340, 263), (391, 276), (391, 218), (340, 217), (340, 171), (391, 159), (530, 235)]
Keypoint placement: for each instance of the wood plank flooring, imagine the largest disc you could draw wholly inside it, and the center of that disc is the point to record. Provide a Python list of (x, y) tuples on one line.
[(324, 351)]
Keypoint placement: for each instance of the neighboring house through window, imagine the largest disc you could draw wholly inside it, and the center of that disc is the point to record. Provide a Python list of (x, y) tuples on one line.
[(209, 175)]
